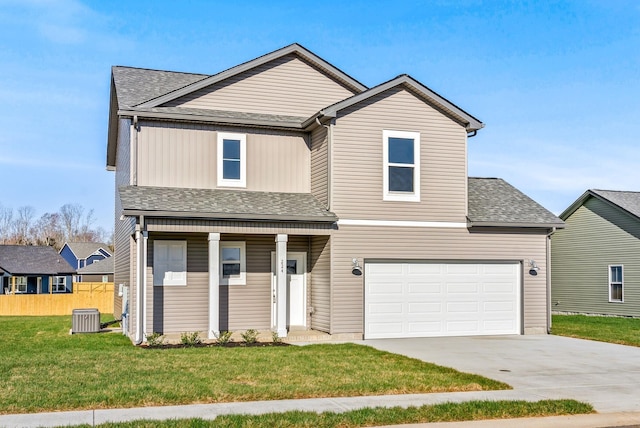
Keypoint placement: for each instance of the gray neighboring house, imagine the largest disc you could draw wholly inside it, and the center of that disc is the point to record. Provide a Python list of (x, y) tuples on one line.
[(596, 258), (26, 269), (282, 194), (98, 271)]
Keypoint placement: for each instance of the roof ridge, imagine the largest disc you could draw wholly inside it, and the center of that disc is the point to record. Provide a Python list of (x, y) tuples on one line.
[(161, 71)]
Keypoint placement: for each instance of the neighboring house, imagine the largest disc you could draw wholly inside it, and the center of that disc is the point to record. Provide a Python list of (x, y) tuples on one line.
[(283, 194), (595, 259), (81, 254), (98, 271), (26, 269)]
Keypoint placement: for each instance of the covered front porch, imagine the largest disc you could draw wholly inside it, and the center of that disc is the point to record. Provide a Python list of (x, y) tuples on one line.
[(234, 279)]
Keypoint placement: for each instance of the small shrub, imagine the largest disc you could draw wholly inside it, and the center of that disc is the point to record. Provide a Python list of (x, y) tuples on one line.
[(190, 339), (275, 337), (250, 336), (155, 340), (223, 337)]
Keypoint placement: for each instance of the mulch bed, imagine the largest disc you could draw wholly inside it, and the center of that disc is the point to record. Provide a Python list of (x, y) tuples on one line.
[(214, 345)]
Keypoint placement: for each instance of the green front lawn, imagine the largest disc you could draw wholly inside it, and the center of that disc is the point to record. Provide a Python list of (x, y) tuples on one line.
[(447, 412), (625, 331), (43, 368)]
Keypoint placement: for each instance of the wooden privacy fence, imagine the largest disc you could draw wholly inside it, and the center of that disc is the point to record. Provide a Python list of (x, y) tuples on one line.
[(85, 295)]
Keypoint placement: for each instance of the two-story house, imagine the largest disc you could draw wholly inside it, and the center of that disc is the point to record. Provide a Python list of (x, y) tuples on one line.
[(283, 194)]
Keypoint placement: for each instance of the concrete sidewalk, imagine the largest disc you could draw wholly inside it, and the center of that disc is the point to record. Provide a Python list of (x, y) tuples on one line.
[(338, 404)]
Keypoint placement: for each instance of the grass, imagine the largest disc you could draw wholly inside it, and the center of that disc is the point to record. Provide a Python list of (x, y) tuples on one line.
[(447, 412), (43, 368), (624, 331)]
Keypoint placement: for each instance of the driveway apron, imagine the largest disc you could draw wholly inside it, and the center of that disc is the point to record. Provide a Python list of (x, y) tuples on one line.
[(551, 367)]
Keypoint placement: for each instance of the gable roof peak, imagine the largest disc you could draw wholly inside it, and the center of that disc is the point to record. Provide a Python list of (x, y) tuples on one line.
[(294, 48), (627, 201)]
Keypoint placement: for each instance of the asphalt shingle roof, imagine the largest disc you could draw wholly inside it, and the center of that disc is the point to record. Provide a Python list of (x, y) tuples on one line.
[(628, 201), (223, 204), (32, 260), (137, 85), (493, 201), (82, 250), (223, 114), (103, 266)]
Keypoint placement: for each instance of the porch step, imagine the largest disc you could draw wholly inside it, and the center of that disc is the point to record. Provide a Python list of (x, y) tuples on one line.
[(319, 336)]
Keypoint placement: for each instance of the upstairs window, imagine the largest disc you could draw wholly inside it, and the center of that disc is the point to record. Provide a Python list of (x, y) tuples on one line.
[(59, 284), (616, 283), (169, 263), (232, 160), (401, 174)]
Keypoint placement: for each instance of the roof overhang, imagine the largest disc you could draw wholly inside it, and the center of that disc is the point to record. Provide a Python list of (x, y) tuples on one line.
[(228, 216), (516, 225)]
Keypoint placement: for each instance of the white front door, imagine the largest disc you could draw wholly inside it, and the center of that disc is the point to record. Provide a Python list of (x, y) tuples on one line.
[(296, 290)]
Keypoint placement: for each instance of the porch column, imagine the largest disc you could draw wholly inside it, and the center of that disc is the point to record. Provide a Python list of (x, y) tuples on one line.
[(214, 285), (281, 285), (145, 256)]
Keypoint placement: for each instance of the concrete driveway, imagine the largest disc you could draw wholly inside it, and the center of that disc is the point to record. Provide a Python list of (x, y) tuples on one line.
[(603, 374)]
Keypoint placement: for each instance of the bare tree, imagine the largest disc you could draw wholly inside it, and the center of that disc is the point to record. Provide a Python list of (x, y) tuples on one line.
[(47, 230), (22, 225), (6, 224), (71, 216)]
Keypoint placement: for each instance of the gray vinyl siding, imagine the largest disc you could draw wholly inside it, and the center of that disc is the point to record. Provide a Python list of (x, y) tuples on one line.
[(185, 155), (596, 235), (319, 165), (286, 86), (320, 284), (358, 160), (122, 228), (402, 243), (178, 309)]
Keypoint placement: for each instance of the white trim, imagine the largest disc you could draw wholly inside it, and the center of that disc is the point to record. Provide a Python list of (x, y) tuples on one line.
[(214, 285), (402, 223), (55, 284), (401, 196), (621, 284), (236, 279), (242, 181)]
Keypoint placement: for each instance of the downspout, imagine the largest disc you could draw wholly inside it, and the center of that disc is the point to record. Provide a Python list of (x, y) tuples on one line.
[(548, 245), (140, 276), (134, 161), (329, 163)]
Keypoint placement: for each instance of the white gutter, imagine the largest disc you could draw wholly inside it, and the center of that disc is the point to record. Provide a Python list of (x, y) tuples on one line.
[(548, 245)]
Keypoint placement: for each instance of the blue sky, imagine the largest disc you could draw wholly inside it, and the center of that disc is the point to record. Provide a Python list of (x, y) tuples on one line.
[(556, 83)]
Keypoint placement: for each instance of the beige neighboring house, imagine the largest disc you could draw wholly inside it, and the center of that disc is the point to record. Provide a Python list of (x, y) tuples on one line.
[(98, 271), (282, 194)]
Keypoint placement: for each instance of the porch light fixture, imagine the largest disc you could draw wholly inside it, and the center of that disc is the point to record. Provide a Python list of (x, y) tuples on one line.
[(534, 268), (356, 269)]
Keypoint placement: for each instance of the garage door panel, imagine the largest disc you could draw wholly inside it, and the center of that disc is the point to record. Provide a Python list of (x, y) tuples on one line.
[(425, 287), (425, 308), (462, 288), (439, 299), (417, 329), (463, 307), (424, 268), (386, 308)]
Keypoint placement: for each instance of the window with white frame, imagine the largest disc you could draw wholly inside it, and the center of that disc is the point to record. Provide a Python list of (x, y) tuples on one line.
[(169, 263), (232, 159), (21, 284), (401, 174), (59, 284), (616, 283), (105, 278), (233, 269)]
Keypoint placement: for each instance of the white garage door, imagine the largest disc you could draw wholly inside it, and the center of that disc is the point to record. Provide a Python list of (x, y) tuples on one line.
[(441, 299)]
